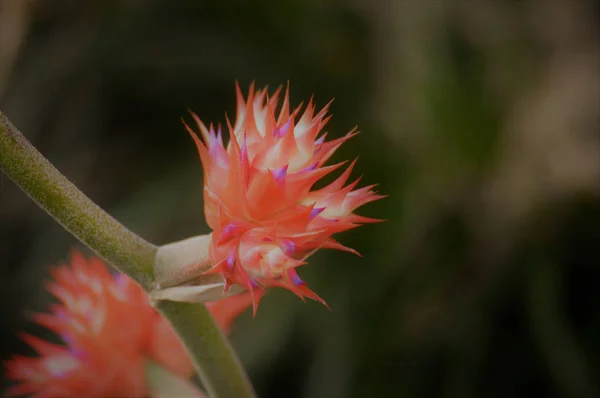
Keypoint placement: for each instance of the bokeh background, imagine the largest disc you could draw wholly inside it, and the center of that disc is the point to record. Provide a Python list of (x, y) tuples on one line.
[(480, 119)]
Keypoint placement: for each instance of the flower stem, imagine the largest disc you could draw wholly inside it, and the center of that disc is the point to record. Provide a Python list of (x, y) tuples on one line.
[(215, 360), (39, 179), (219, 364)]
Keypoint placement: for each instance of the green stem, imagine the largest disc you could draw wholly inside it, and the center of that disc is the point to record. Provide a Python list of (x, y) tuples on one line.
[(215, 360), (39, 179), (218, 362)]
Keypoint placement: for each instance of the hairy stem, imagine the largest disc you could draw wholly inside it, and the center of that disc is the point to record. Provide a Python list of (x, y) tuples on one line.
[(215, 361), (39, 179), (218, 362)]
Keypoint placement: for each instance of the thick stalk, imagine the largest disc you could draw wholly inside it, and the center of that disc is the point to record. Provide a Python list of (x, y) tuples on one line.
[(218, 362), (43, 183), (215, 361)]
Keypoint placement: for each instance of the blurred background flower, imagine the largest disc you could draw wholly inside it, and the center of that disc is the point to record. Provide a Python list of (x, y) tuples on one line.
[(108, 332), (480, 119)]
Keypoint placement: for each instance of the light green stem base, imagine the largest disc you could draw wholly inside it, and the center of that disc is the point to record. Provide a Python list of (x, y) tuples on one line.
[(217, 362)]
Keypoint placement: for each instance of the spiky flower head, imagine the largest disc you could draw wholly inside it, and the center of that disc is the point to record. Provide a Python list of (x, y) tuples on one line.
[(109, 329), (259, 199)]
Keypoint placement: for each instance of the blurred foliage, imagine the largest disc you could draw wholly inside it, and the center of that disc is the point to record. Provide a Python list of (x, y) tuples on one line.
[(479, 119)]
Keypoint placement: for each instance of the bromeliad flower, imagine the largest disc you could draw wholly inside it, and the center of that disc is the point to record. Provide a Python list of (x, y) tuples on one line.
[(259, 199), (110, 330)]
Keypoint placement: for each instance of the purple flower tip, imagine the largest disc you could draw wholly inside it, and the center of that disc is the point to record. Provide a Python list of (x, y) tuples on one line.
[(244, 148), (289, 247), (280, 174), (229, 228), (281, 131), (311, 168), (296, 279), (316, 211), (230, 259)]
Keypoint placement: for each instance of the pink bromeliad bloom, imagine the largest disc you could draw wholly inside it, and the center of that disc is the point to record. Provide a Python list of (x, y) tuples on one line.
[(109, 329), (265, 216)]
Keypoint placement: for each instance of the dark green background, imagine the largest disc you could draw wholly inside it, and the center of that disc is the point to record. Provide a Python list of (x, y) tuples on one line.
[(479, 119)]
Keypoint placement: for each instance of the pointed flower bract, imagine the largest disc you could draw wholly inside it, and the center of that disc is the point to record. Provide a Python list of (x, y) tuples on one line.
[(258, 192)]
